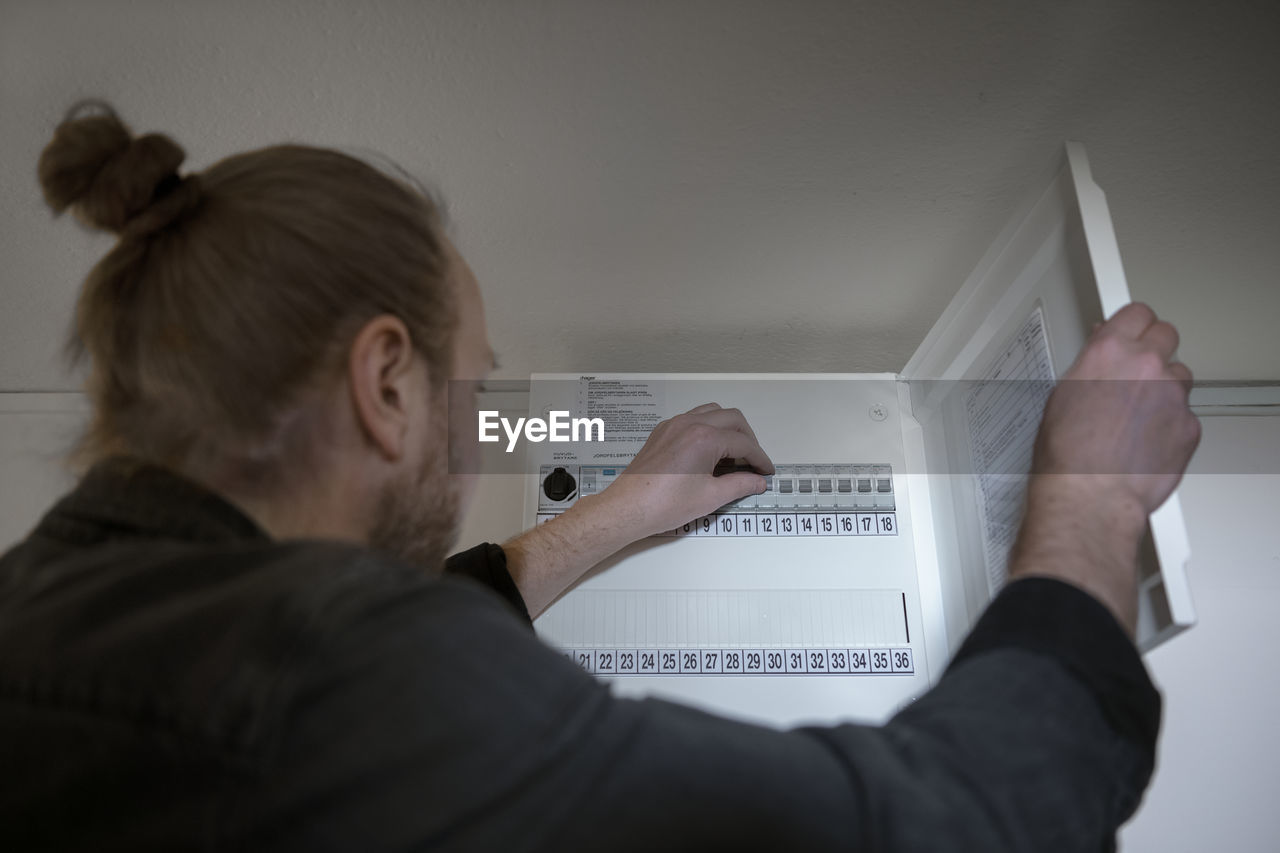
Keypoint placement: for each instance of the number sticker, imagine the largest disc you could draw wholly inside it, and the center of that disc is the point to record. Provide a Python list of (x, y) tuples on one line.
[(626, 661), (817, 660), (901, 660), (880, 660), (845, 522), (839, 659), (866, 525), (745, 525), (733, 661), (586, 659), (859, 660), (795, 661), (887, 527), (689, 661), (826, 525), (710, 661), (774, 661), (768, 525), (606, 662), (753, 661), (807, 527), (727, 527), (669, 662), (648, 661), (786, 525)]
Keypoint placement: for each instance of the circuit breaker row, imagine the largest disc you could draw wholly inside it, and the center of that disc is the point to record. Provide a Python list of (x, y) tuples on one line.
[(867, 487)]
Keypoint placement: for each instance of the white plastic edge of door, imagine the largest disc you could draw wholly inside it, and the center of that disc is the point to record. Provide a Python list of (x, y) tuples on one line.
[(1069, 198)]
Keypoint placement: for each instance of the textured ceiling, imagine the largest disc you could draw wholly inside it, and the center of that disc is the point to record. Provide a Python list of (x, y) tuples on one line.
[(699, 185)]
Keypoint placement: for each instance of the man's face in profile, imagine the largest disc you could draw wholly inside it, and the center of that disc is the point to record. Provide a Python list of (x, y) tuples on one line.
[(419, 514)]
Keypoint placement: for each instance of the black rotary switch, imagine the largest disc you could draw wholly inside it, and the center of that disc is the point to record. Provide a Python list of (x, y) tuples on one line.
[(559, 484)]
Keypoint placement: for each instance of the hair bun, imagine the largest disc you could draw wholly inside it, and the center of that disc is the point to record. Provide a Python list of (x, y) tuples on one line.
[(110, 179)]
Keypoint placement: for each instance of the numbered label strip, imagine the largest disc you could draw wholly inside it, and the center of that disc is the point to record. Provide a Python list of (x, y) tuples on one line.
[(874, 661), (791, 524)]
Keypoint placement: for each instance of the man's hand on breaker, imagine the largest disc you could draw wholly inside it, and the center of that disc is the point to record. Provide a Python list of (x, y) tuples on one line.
[(671, 479)]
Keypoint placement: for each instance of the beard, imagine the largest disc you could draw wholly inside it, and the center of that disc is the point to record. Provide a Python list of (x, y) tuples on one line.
[(418, 514)]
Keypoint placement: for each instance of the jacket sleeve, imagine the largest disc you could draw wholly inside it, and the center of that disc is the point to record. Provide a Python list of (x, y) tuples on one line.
[(458, 728), (487, 565)]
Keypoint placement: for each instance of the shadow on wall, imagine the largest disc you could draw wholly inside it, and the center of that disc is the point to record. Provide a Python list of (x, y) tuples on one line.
[(801, 345)]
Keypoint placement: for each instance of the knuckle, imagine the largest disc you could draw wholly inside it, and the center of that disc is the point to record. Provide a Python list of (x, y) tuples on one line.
[(1140, 309), (1191, 429), (1149, 364), (700, 432), (1110, 346)]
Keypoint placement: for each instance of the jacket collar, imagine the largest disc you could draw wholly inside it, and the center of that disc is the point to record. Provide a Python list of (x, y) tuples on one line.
[(124, 497)]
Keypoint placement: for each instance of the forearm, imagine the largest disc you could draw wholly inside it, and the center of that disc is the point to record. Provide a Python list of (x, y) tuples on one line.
[(1080, 530), (550, 558)]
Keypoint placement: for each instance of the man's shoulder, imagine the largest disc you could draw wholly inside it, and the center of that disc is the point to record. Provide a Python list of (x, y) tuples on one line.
[(320, 585), (206, 640)]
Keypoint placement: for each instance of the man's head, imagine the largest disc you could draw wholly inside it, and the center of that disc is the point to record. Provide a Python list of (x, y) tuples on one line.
[(282, 327), (419, 509)]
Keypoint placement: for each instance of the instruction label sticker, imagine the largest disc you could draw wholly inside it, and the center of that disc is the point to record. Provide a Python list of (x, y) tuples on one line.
[(630, 408), (1004, 410)]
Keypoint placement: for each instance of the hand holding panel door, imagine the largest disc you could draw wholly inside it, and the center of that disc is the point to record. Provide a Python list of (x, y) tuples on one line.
[(1116, 436)]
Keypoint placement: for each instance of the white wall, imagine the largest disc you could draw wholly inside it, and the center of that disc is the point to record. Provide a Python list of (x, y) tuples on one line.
[(1219, 766), (36, 431)]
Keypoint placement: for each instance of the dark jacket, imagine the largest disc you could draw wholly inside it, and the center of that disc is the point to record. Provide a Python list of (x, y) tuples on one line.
[(171, 678)]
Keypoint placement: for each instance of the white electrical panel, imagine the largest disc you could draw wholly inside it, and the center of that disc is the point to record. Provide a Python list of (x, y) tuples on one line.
[(842, 591)]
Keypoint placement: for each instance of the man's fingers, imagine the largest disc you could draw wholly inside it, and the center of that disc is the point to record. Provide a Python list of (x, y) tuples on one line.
[(739, 484), (1162, 337), (1131, 320), (1182, 373), (705, 407), (738, 445)]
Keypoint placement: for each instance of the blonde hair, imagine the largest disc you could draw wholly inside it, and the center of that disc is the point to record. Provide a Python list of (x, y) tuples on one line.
[(232, 291)]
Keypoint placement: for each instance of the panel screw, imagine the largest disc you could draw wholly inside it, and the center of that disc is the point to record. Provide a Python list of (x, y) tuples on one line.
[(878, 412)]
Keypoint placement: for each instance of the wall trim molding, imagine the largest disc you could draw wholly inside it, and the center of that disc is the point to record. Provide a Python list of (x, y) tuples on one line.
[(1251, 399), (1208, 399)]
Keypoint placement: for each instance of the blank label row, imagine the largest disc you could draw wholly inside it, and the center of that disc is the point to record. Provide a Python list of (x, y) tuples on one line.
[(874, 661)]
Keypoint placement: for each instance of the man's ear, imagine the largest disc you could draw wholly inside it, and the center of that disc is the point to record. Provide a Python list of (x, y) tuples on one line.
[(384, 383)]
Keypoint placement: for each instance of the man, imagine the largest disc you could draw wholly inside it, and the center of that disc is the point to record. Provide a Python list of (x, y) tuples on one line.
[(197, 653)]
